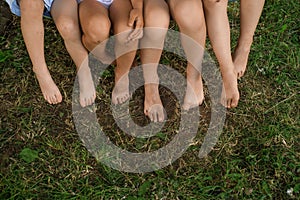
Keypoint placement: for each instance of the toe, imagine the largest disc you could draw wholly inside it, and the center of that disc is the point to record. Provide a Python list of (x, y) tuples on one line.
[(88, 102), (114, 100), (82, 102), (47, 99), (119, 99), (151, 117), (240, 74), (229, 103), (59, 98), (53, 100), (234, 103), (224, 102), (122, 100), (161, 117), (154, 117)]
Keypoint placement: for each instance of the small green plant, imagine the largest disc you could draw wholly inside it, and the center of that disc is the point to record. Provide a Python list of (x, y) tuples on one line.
[(29, 155)]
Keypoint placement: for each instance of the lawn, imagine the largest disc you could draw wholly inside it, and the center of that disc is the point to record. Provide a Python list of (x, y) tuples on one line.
[(256, 157)]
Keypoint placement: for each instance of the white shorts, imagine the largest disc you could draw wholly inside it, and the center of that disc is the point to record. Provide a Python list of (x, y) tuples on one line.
[(15, 7), (106, 3)]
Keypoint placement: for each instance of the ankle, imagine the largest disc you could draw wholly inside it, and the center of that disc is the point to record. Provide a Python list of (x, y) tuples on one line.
[(40, 69), (151, 80), (120, 73), (244, 44)]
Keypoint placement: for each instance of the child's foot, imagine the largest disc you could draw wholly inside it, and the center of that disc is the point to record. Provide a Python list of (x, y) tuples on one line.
[(240, 60), (194, 95), (49, 89), (87, 89), (120, 93), (153, 107), (230, 94)]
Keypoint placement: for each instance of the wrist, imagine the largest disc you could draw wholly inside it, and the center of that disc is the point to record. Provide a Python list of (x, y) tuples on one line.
[(137, 4)]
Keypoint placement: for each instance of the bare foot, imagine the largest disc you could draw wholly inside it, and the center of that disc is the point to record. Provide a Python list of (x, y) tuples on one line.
[(230, 94), (86, 84), (153, 107), (194, 95), (240, 60), (49, 89), (120, 93)]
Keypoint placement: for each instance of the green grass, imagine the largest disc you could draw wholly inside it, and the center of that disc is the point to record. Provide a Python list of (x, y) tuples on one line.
[(257, 156)]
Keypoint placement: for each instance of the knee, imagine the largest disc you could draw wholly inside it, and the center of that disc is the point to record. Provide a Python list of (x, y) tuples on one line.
[(67, 28), (189, 18), (210, 4), (151, 19), (96, 31), (121, 32)]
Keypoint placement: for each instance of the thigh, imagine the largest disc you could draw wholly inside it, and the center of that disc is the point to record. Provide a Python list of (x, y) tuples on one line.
[(119, 14), (91, 13)]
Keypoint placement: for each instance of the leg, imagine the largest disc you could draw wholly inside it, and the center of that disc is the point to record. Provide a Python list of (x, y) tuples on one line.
[(33, 33), (250, 12), (219, 34), (125, 52), (95, 23), (65, 16), (154, 35), (190, 18)]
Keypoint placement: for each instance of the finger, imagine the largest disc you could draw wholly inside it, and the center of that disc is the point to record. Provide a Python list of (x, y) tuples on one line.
[(139, 23), (139, 26), (135, 35), (138, 34), (131, 36), (132, 18)]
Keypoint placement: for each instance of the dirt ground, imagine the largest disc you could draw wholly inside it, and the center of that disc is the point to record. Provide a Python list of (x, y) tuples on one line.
[(5, 16)]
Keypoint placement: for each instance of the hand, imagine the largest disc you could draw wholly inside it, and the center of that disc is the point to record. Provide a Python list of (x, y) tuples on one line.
[(137, 22)]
